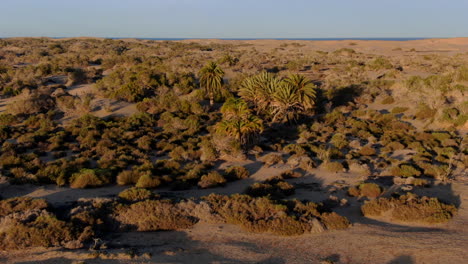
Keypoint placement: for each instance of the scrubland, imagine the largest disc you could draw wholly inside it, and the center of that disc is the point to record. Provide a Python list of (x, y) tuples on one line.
[(213, 151)]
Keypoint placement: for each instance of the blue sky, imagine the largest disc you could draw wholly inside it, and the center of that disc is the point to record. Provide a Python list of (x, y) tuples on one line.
[(234, 18)]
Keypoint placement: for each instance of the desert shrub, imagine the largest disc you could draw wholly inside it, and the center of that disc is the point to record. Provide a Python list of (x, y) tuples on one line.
[(271, 159), (135, 194), (410, 208), (454, 116), (148, 181), (275, 188), (333, 166), (153, 215), (178, 154), (236, 173), (369, 190), (76, 76), (405, 170), (168, 166), (380, 63), (208, 151), (89, 178), (392, 146), (21, 204), (44, 231), (399, 109), (303, 161), (290, 174), (425, 112), (388, 100), (265, 215), (344, 51), (361, 169), (131, 84), (439, 172), (212, 179), (128, 177), (339, 141), (441, 136), (334, 117), (32, 103), (145, 142), (367, 151), (294, 149), (419, 182), (334, 221)]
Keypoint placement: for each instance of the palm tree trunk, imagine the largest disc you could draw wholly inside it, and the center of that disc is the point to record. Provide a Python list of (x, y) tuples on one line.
[(211, 99)]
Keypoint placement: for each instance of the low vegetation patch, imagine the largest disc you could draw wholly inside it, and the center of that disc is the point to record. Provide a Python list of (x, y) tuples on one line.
[(153, 215), (369, 190), (410, 208)]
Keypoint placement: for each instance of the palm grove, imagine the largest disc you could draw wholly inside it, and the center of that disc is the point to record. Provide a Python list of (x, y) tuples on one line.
[(262, 97)]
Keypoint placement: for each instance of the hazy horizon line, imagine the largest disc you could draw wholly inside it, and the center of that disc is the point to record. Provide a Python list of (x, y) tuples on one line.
[(240, 38)]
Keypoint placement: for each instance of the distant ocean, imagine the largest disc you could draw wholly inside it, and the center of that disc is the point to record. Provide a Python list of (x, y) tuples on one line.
[(316, 39)]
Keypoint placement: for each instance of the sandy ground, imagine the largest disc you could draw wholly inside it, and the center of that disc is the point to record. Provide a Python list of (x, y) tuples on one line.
[(367, 241), (442, 46)]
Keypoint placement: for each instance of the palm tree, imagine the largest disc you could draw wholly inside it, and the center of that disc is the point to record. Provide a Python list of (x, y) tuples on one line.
[(305, 89), (258, 90), (283, 100), (285, 105), (211, 79), (295, 94), (238, 122)]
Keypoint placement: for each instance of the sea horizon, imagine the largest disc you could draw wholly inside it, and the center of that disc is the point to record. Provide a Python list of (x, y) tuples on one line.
[(194, 38)]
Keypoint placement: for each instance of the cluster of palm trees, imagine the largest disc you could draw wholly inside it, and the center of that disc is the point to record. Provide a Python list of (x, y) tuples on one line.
[(274, 99), (239, 122), (279, 100)]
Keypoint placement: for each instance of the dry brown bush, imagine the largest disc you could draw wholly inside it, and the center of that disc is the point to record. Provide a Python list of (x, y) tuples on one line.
[(411, 208), (153, 215)]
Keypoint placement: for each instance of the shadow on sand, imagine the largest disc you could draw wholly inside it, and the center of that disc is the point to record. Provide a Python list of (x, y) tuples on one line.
[(163, 247)]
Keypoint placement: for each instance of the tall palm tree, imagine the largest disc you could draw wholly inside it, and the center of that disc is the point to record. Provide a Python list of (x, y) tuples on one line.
[(211, 80), (238, 122)]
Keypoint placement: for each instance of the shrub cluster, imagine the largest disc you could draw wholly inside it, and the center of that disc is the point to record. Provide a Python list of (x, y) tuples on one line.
[(411, 208)]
